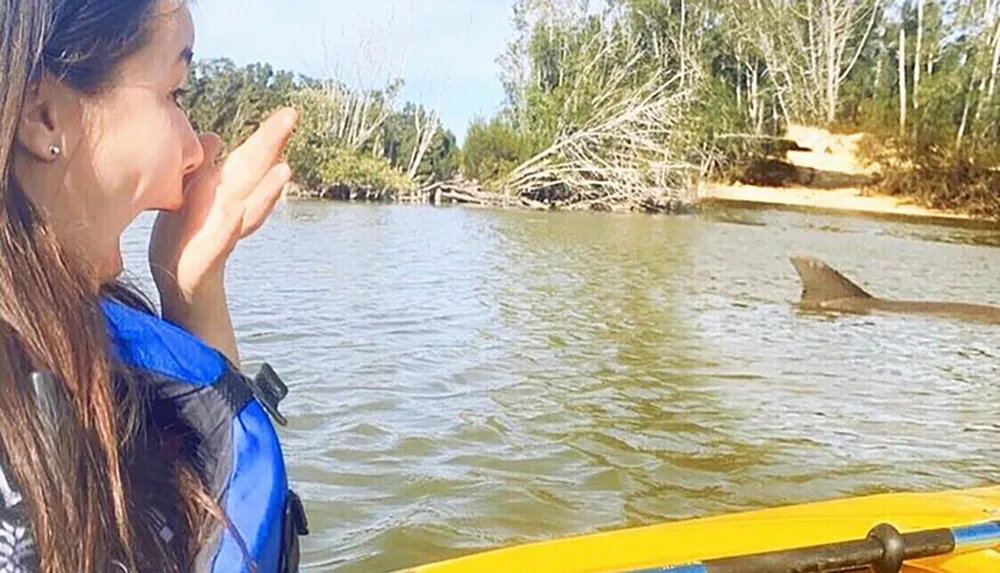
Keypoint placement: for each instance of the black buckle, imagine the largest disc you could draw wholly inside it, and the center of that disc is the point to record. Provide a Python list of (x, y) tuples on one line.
[(295, 525), (298, 513), (269, 390)]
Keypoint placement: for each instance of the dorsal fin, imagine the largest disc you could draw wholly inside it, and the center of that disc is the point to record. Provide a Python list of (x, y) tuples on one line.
[(821, 283)]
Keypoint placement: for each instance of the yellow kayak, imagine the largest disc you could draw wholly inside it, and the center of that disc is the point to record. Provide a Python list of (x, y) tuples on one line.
[(692, 546)]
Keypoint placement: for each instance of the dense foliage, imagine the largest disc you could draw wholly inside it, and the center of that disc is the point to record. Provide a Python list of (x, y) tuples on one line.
[(345, 137), (605, 101)]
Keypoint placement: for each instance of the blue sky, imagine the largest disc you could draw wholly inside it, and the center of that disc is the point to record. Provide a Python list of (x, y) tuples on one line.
[(445, 50)]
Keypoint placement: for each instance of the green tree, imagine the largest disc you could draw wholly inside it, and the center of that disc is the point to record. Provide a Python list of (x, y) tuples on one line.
[(231, 101)]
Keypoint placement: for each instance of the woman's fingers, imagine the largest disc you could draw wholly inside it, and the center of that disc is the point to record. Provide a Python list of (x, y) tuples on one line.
[(261, 202), (250, 162), (207, 251)]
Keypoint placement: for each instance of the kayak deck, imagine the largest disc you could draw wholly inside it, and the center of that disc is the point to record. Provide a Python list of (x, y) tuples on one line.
[(790, 527)]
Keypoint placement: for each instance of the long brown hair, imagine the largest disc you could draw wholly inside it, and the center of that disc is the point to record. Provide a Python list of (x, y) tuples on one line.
[(86, 489)]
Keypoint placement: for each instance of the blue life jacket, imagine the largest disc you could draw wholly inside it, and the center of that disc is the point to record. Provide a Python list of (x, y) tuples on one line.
[(237, 453)]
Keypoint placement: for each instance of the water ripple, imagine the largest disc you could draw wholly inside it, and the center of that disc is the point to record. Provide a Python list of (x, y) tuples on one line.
[(465, 379)]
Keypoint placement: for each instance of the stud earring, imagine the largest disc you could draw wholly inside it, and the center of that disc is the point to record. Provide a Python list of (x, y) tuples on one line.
[(54, 150)]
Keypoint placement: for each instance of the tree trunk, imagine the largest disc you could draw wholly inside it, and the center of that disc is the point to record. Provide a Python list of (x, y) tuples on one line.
[(903, 102), (813, 46), (981, 103), (758, 105), (996, 61), (965, 121), (832, 69), (916, 55), (970, 90), (879, 65), (683, 31), (739, 84)]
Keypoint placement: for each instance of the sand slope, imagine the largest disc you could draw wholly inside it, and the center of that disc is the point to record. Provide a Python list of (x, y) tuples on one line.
[(834, 160)]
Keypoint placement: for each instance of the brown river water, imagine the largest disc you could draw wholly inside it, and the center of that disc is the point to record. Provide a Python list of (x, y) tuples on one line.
[(467, 379)]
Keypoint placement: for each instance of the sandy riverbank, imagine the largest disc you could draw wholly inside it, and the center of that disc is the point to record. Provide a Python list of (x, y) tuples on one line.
[(832, 200), (835, 159)]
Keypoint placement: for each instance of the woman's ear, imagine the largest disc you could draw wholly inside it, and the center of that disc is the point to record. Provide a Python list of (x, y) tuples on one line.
[(46, 117)]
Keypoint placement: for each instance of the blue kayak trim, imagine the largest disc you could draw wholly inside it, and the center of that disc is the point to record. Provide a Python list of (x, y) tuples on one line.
[(968, 538), (979, 536), (689, 568)]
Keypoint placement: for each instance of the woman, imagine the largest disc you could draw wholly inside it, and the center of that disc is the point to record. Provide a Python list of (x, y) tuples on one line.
[(105, 467)]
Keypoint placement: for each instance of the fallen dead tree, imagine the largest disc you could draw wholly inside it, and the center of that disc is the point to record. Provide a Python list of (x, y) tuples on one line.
[(459, 191), (626, 155), (619, 144), (472, 194)]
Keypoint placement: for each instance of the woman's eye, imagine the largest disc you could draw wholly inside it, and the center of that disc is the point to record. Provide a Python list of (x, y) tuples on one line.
[(178, 94)]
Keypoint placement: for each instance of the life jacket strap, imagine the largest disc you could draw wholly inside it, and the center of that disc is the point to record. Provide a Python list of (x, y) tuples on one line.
[(267, 387), (298, 514), (234, 390), (270, 391), (295, 524)]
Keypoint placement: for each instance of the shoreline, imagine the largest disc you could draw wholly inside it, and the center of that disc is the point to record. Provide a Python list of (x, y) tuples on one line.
[(845, 201), (828, 177)]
